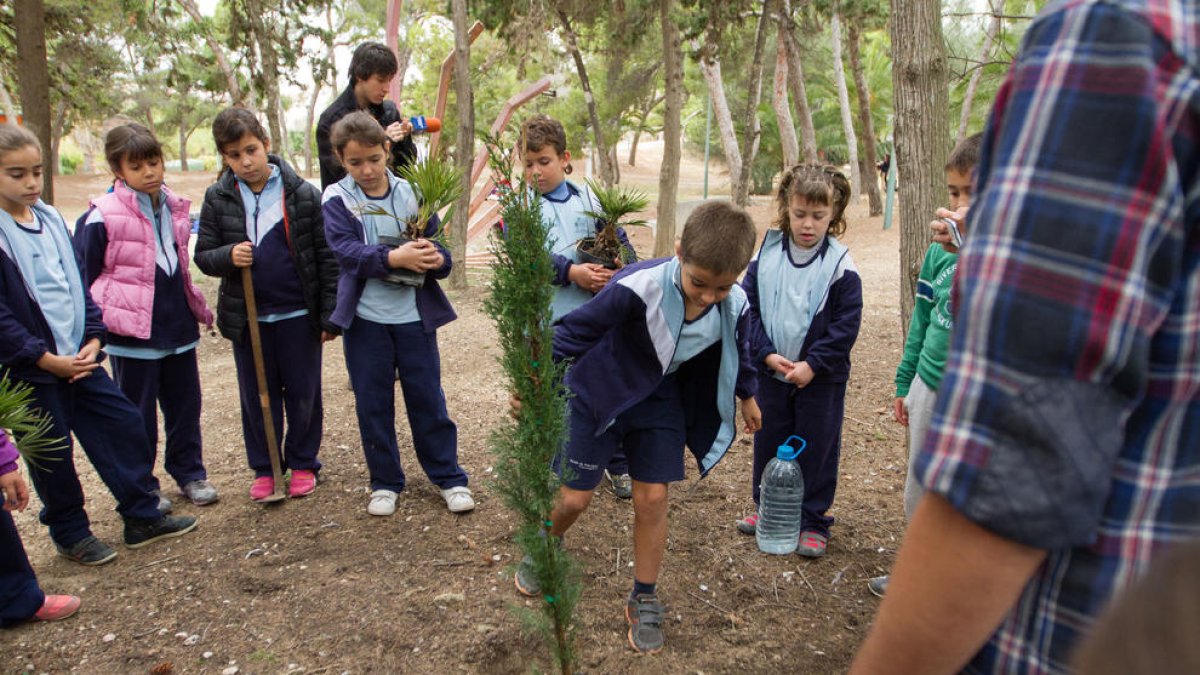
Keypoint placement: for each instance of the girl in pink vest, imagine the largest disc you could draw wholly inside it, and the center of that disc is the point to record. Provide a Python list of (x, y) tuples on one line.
[(133, 242)]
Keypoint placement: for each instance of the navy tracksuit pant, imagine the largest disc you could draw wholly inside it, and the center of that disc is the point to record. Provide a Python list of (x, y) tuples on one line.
[(292, 361), (813, 413), (20, 596), (110, 430), (374, 354), (174, 383)]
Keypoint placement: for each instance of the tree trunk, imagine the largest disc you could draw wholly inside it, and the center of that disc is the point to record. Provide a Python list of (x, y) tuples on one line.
[(262, 36), (869, 180), (921, 102), (668, 174), (985, 52), (607, 171), (309, 134), (33, 79), (6, 105), (57, 124), (710, 67), (753, 133), (236, 95), (808, 133), (839, 76), (783, 112), (464, 150), (183, 139)]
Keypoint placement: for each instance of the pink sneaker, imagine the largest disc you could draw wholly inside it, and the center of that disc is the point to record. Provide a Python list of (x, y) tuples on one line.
[(261, 488), (303, 483)]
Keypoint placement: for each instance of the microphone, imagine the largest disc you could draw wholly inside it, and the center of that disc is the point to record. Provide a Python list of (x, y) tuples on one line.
[(422, 124)]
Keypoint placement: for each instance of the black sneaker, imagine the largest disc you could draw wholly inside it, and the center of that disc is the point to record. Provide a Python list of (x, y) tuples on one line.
[(88, 551), (645, 616), (139, 533)]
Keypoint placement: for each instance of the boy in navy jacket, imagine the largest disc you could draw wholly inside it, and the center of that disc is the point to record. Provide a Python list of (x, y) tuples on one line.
[(658, 358)]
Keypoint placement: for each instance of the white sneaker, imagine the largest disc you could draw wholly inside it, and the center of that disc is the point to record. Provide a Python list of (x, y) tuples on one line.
[(383, 503), (459, 499)]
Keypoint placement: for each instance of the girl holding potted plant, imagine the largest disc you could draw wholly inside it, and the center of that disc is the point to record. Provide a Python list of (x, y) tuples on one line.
[(380, 226)]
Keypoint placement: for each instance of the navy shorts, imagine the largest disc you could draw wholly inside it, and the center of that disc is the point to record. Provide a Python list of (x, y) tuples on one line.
[(652, 433)]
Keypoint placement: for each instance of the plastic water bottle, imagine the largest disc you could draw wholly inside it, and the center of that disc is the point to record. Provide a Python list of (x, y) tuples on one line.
[(780, 500)]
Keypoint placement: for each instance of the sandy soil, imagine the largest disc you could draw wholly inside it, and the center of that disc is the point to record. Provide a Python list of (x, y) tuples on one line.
[(318, 586)]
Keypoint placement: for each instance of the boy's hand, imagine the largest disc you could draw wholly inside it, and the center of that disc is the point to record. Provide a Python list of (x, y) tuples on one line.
[(398, 131), (899, 411), (941, 231), (779, 364), (326, 336), (801, 375), (242, 254), (751, 415), (66, 367), (514, 405), (16, 492), (86, 358), (419, 256), (589, 276)]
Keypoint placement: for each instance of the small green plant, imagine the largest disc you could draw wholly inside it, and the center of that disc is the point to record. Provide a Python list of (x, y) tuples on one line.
[(438, 184), (616, 203), (26, 424)]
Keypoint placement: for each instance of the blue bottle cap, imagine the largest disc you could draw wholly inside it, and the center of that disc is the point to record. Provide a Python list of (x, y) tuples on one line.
[(787, 453)]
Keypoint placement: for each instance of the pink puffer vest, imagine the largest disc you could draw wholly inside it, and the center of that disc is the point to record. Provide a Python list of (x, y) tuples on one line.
[(124, 290)]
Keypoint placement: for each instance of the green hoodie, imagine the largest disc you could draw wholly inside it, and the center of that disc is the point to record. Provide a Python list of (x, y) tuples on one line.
[(929, 333)]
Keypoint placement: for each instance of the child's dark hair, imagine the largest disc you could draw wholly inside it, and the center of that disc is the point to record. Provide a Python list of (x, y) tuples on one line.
[(132, 142), (233, 123), (372, 58), (718, 237), (965, 155), (817, 184), (14, 138), (540, 131), (359, 127)]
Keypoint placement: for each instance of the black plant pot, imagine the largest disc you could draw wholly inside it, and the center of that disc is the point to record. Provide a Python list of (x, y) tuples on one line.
[(585, 256), (401, 277)]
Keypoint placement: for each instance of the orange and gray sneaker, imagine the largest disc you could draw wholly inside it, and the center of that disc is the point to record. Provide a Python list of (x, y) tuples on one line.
[(645, 616), (57, 607)]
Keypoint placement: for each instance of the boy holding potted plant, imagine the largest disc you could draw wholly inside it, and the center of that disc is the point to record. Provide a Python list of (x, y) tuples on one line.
[(379, 227), (570, 214)]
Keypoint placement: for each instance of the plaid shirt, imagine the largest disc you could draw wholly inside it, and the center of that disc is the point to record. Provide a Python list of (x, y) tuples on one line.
[(1069, 416)]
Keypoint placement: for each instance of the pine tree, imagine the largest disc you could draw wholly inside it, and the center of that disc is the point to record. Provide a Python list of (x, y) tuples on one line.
[(526, 444)]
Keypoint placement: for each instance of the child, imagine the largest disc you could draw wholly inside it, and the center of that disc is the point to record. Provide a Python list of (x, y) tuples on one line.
[(21, 599), (564, 207), (659, 356), (260, 214), (390, 328), (50, 332), (805, 309), (924, 359), (134, 246)]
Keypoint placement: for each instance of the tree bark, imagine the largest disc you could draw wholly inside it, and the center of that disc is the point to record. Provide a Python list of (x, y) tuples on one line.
[(464, 150), (607, 171), (839, 76), (58, 122), (753, 133), (870, 180), (262, 36), (921, 102), (309, 117), (985, 52), (710, 67), (808, 133), (33, 78), (236, 95), (668, 174), (183, 139), (783, 111)]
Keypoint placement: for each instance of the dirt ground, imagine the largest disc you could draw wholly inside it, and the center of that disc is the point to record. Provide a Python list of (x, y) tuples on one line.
[(318, 586)]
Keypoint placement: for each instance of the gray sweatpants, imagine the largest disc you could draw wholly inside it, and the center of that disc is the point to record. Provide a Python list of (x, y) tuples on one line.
[(919, 404)]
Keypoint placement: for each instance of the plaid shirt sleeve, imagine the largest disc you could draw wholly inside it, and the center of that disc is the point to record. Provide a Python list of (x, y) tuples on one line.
[(1076, 250)]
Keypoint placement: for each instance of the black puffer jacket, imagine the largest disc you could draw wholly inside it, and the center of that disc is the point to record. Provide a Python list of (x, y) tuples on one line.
[(223, 225)]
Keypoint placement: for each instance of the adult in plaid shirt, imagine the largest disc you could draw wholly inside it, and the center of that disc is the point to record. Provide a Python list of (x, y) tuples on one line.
[(1065, 447)]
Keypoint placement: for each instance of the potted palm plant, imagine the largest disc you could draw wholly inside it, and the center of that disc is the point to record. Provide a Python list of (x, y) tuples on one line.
[(616, 204), (23, 422), (438, 184)]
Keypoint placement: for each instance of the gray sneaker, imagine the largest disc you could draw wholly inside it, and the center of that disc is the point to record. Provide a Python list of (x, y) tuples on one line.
[(201, 492), (878, 585), (164, 504), (527, 584), (88, 551), (645, 616), (622, 484), (139, 533)]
